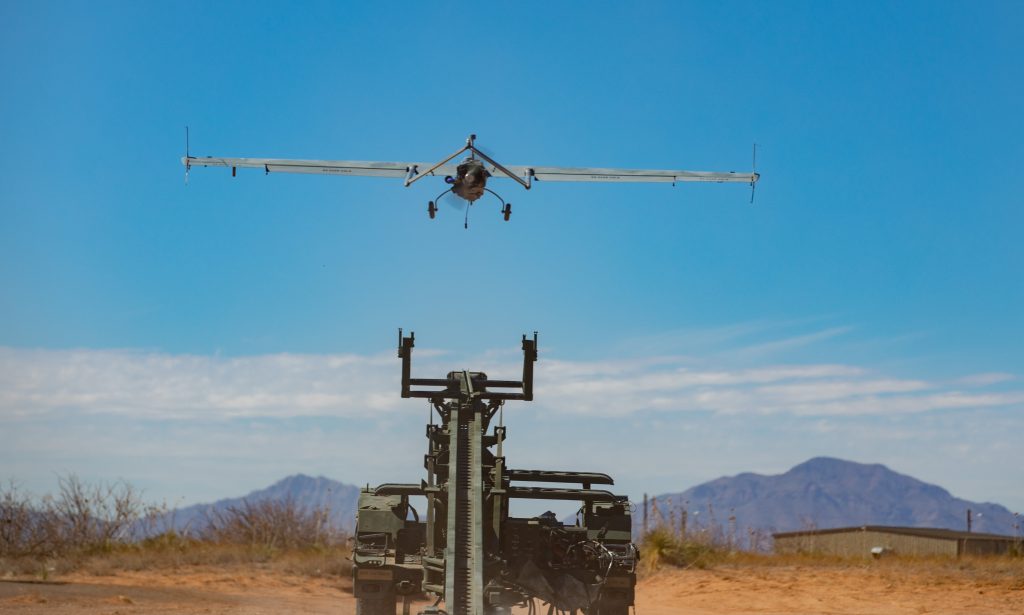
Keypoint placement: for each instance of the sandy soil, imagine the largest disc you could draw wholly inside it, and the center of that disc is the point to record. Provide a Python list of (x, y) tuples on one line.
[(889, 589)]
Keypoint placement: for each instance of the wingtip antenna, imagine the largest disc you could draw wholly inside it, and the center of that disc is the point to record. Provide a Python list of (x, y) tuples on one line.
[(188, 156), (753, 175)]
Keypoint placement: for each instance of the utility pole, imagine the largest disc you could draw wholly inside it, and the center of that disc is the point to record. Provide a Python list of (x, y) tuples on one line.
[(645, 514)]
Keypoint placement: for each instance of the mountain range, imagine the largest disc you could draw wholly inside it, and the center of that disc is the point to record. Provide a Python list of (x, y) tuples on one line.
[(825, 492), (822, 492)]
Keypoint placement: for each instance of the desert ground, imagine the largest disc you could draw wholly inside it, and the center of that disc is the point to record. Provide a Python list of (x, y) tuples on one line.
[(889, 587)]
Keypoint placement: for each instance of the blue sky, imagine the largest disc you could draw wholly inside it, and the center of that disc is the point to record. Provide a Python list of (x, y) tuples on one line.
[(867, 306)]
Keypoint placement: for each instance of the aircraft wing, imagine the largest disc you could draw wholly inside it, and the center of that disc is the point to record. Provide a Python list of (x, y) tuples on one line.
[(400, 170), (319, 167), (584, 174)]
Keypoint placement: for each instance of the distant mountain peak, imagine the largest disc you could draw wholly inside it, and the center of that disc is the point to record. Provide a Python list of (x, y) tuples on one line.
[(834, 464), (318, 492), (304, 479)]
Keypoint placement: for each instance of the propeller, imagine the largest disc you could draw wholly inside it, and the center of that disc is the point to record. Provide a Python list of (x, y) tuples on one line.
[(188, 165), (457, 203), (452, 201), (753, 170), (486, 151)]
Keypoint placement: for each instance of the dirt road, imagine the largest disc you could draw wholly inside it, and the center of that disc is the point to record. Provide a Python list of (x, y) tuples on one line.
[(180, 592), (890, 589)]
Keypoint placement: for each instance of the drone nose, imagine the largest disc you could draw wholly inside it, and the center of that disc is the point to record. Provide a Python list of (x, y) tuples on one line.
[(480, 177)]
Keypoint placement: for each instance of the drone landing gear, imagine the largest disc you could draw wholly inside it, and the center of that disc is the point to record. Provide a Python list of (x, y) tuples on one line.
[(506, 208), (432, 205)]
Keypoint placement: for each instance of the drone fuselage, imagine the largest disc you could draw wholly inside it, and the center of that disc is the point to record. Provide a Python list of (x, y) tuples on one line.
[(470, 181)]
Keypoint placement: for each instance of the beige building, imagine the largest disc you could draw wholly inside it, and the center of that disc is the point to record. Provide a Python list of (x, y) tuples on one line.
[(877, 540)]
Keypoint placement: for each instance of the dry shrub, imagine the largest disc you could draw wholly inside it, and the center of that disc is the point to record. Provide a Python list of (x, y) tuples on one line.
[(105, 528), (22, 528), (94, 517), (662, 547), (81, 518), (272, 525), (330, 562)]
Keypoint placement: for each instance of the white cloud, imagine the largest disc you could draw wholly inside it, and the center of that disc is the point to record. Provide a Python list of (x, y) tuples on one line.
[(797, 341), (807, 390), (164, 386), (986, 379), (158, 385)]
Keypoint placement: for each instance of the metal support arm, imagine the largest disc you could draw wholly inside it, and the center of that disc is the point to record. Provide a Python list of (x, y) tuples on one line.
[(524, 183), (413, 173), (412, 177), (452, 388)]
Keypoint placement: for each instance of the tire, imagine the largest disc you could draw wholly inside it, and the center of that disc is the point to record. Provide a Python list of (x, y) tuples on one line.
[(610, 608), (381, 604)]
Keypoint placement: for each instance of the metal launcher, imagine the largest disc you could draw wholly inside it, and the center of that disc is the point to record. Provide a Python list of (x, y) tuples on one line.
[(467, 551)]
